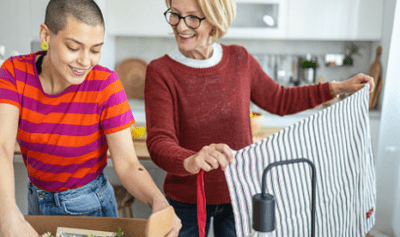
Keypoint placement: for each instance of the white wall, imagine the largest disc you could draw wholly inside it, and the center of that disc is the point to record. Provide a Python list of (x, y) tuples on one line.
[(388, 160), (15, 38), (387, 26), (108, 49)]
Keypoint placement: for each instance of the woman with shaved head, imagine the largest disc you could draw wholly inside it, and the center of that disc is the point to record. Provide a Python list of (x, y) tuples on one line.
[(66, 111)]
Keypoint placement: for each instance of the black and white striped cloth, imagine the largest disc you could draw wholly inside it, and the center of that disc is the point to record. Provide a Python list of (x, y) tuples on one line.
[(337, 140)]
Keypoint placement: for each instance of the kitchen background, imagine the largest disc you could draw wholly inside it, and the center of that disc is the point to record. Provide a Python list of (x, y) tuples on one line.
[(298, 29)]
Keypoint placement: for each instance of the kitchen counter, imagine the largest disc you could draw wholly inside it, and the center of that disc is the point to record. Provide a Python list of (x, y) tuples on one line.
[(270, 120), (266, 132)]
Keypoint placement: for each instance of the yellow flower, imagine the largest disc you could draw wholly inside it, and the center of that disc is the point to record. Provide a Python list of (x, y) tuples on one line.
[(138, 131)]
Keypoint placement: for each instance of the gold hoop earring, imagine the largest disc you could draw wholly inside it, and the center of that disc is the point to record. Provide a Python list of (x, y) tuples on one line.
[(45, 46)]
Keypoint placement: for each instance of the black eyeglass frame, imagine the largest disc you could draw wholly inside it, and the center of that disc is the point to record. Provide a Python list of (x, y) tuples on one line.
[(184, 19)]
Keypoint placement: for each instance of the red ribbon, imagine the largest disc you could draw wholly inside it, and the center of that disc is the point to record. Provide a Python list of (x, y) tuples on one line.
[(201, 204)]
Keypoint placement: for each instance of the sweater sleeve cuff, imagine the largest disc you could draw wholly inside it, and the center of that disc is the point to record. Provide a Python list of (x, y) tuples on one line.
[(172, 160), (180, 169), (327, 91)]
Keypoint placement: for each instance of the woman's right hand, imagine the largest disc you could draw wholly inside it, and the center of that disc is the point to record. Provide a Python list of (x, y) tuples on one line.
[(209, 158), (16, 226)]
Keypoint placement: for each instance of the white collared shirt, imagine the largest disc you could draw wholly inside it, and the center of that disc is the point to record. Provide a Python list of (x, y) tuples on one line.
[(198, 63)]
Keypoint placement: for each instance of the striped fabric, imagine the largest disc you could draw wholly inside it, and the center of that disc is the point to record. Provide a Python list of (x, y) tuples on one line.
[(337, 140), (62, 137)]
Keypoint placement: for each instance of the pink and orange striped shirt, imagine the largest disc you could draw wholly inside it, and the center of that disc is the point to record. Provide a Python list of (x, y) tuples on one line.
[(62, 137)]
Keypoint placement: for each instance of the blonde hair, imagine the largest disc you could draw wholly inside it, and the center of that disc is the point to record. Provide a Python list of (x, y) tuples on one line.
[(220, 14)]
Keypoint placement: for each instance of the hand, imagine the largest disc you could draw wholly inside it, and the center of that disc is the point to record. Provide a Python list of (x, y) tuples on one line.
[(176, 227), (353, 84), (16, 227), (209, 158), (162, 211)]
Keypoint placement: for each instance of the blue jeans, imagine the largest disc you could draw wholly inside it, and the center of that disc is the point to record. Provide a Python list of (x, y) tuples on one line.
[(93, 199), (224, 221)]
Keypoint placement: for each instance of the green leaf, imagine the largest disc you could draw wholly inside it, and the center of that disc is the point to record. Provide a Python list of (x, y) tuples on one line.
[(120, 233)]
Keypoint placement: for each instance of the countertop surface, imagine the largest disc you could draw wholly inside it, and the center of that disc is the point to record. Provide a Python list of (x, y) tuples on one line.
[(271, 120)]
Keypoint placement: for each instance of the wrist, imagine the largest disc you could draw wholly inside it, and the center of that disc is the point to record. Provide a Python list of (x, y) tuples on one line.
[(10, 214), (187, 164), (334, 88), (159, 203), (9, 208), (185, 161)]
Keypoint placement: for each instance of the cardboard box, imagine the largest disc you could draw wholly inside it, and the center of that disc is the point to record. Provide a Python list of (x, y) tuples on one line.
[(130, 227)]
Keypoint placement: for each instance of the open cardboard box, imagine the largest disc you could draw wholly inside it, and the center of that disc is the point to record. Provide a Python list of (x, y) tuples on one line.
[(130, 227), (158, 224)]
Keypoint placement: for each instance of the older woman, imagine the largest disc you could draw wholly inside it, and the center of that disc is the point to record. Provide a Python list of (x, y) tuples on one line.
[(66, 111), (197, 102)]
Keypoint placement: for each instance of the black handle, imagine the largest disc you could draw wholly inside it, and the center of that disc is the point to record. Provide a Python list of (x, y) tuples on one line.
[(286, 162)]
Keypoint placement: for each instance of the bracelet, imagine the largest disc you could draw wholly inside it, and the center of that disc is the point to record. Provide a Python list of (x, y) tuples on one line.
[(331, 89)]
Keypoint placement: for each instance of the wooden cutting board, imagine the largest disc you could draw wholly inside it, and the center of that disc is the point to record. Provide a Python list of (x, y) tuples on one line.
[(375, 72), (132, 73)]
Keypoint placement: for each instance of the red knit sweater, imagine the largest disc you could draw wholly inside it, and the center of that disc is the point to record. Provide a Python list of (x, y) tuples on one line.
[(189, 108)]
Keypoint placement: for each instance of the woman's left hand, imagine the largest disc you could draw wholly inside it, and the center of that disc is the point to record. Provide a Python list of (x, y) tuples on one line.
[(353, 84)]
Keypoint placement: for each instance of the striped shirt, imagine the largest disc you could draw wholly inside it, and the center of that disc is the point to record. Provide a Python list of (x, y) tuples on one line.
[(62, 137), (337, 140)]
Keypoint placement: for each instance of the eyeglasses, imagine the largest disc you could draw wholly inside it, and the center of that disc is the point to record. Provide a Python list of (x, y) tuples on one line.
[(193, 22)]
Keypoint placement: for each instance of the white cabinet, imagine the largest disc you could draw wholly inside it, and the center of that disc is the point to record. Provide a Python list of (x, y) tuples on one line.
[(292, 19), (259, 19), (367, 23), (335, 19), (137, 18), (145, 18)]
